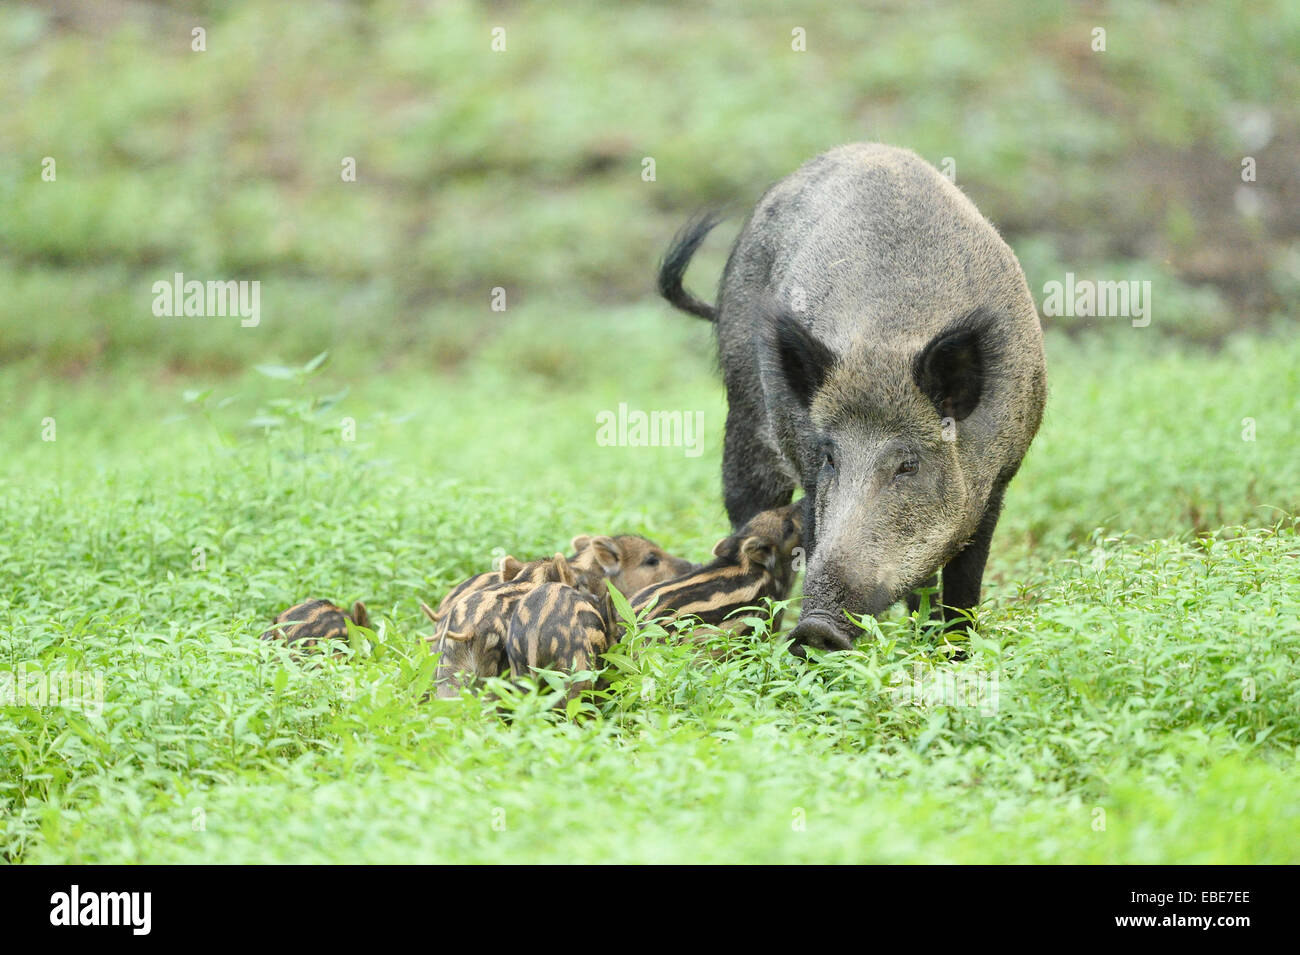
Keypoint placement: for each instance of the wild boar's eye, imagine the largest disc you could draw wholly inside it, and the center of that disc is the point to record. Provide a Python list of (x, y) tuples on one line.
[(651, 561), (909, 466)]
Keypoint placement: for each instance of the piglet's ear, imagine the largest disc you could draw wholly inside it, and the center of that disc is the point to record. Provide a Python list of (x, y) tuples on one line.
[(359, 615), (756, 550), (510, 568), (720, 548), (803, 359), (950, 372), (581, 542), (608, 554), (563, 572)]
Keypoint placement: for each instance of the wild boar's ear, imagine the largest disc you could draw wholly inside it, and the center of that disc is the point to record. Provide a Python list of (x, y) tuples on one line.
[(510, 568), (804, 359), (563, 572), (757, 550), (728, 548), (950, 372), (608, 554), (579, 543), (359, 615)]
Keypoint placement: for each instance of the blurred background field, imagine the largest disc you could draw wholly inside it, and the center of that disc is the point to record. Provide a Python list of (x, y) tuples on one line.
[(522, 169), (474, 428)]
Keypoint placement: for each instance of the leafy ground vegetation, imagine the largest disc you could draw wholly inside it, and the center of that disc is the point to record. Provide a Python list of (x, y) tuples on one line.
[(169, 484)]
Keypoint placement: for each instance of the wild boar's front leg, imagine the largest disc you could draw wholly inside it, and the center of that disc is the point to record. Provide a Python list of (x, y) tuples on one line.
[(753, 477), (964, 573)]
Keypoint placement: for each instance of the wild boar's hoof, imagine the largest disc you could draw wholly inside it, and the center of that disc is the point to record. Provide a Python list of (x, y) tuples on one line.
[(820, 631)]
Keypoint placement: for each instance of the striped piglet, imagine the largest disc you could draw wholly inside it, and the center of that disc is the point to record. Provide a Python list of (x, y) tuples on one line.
[(756, 562)]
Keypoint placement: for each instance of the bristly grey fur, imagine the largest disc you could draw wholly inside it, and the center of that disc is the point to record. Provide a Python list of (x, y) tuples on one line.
[(865, 301)]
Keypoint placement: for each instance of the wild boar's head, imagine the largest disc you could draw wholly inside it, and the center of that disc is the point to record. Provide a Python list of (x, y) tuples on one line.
[(878, 434)]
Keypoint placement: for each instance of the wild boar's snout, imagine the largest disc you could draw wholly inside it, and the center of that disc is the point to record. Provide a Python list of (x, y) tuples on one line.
[(838, 580), (822, 631)]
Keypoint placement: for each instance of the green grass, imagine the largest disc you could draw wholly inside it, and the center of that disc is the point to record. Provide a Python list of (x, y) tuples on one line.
[(1141, 670)]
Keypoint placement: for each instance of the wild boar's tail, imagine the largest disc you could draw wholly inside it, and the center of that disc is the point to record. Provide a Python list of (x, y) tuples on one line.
[(678, 257)]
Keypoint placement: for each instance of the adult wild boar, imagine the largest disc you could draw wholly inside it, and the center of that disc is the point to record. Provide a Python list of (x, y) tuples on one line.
[(881, 351)]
